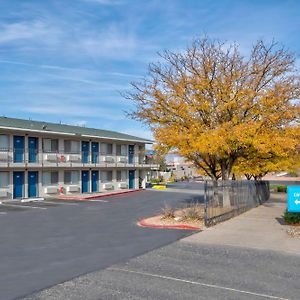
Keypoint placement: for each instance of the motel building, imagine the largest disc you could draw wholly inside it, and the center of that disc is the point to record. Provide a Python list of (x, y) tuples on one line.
[(40, 159)]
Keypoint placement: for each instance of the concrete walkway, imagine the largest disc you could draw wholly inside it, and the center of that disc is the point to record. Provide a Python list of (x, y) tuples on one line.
[(260, 228)]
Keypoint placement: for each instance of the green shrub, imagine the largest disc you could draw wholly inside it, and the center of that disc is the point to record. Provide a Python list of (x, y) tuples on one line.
[(278, 188), (281, 188), (291, 217)]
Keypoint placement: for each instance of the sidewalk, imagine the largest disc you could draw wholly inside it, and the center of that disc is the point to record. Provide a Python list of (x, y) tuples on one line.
[(259, 228)]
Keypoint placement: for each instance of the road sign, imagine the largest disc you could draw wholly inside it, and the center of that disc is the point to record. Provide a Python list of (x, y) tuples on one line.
[(293, 198)]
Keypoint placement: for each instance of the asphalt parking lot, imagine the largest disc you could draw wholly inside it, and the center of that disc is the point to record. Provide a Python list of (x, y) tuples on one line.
[(184, 270), (44, 243)]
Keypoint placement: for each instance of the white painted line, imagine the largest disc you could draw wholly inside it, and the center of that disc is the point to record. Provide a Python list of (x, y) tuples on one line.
[(3, 213), (26, 206), (60, 203), (95, 200), (197, 283)]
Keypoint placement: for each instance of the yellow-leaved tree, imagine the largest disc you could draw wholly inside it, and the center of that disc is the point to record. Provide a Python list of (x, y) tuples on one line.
[(219, 108)]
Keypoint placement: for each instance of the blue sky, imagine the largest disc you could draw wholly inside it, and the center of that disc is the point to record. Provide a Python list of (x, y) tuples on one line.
[(67, 60)]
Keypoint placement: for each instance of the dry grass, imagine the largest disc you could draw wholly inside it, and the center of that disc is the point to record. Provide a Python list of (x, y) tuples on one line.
[(168, 212)]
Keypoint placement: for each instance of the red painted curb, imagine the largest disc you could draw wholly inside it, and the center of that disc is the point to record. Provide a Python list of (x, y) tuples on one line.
[(99, 196), (143, 223)]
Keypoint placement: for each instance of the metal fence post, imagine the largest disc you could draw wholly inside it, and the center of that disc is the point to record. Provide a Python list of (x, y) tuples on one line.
[(205, 202)]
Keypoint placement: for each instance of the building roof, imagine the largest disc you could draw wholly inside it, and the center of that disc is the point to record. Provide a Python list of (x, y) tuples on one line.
[(37, 126)]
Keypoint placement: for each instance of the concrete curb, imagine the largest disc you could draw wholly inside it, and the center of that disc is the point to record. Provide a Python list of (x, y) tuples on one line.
[(98, 196), (143, 223)]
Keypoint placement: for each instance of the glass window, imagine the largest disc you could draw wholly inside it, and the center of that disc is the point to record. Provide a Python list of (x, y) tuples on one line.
[(50, 145), (4, 180), (119, 175), (121, 150), (106, 176), (71, 146), (4, 142), (109, 175), (109, 148), (71, 177), (50, 178)]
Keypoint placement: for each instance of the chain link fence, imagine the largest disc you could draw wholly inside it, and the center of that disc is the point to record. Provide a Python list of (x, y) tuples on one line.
[(226, 199)]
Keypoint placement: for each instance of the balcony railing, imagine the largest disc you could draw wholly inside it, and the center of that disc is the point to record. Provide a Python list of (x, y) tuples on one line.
[(21, 157)]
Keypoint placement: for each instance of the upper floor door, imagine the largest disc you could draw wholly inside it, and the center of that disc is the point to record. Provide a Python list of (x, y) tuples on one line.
[(18, 149), (32, 149), (130, 154), (95, 152), (85, 152)]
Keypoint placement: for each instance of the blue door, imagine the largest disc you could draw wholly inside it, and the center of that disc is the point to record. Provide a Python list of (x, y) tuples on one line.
[(95, 152), (131, 179), (85, 152), (85, 181), (95, 180), (18, 149), (32, 184), (130, 154), (18, 179), (32, 149)]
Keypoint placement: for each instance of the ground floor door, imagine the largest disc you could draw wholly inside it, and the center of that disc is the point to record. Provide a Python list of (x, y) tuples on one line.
[(18, 182), (131, 179), (85, 181), (32, 184), (95, 181)]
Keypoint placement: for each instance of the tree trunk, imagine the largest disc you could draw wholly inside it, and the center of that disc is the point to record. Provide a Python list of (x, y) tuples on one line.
[(226, 169)]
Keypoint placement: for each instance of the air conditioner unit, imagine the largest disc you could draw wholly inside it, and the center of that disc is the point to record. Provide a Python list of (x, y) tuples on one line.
[(73, 157), (4, 156), (122, 159), (51, 157), (108, 186), (51, 190), (123, 185), (3, 194), (109, 159), (72, 188)]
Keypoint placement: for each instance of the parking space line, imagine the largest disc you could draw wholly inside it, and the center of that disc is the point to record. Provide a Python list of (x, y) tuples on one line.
[(25, 206), (96, 200), (3, 213), (60, 203), (197, 283)]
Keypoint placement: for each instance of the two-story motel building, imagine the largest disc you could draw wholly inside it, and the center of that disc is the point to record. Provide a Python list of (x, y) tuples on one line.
[(41, 159)]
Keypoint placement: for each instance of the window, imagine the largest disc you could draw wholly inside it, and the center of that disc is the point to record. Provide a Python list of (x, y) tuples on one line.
[(4, 180), (50, 145), (71, 146), (71, 177), (4, 142), (106, 176), (121, 176), (107, 148), (121, 150), (50, 178)]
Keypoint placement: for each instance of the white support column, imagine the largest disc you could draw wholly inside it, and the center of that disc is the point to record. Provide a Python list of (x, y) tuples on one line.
[(11, 184), (114, 179), (90, 180), (60, 179), (26, 149), (40, 150), (136, 179), (25, 184), (40, 183)]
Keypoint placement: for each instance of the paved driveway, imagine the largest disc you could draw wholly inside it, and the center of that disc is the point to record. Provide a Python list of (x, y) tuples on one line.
[(43, 244), (248, 257)]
